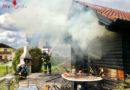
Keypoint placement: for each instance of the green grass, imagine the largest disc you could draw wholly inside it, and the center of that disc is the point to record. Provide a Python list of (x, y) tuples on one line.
[(3, 85), (57, 68), (5, 70)]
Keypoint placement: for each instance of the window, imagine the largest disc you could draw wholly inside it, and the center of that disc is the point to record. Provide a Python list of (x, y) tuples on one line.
[(5, 50), (11, 57), (6, 57)]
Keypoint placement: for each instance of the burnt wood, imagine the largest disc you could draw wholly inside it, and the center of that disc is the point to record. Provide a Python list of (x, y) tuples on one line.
[(107, 66), (126, 51), (110, 84)]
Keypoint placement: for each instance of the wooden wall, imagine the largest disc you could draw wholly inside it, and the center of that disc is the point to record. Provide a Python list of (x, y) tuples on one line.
[(126, 50), (112, 53)]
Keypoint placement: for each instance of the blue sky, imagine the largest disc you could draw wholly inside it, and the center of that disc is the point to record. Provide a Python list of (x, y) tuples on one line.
[(9, 33), (12, 29)]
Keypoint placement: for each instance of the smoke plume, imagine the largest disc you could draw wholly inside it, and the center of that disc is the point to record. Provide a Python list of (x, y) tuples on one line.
[(58, 22)]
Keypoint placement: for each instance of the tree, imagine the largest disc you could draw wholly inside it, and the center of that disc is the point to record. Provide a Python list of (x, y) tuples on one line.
[(35, 53)]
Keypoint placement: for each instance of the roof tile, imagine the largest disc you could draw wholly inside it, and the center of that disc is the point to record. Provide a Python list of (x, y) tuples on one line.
[(110, 13)]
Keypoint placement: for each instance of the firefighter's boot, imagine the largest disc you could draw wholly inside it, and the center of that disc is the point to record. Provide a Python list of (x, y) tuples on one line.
[(45, 72), (50, 72)]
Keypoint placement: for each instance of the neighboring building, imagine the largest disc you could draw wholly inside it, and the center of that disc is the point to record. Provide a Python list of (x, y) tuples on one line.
[(6, 52)]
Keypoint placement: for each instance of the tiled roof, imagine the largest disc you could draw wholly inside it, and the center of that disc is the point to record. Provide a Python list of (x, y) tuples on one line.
[(110, 13)]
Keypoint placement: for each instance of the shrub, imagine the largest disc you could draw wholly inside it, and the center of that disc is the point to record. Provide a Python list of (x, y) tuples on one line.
[(36, 59), (16, 58)]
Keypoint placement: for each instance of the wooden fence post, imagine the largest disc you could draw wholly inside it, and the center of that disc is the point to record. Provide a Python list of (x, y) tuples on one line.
[(6, 69)]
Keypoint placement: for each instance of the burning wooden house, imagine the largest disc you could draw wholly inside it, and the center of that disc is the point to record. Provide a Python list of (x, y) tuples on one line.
[(115, 46)]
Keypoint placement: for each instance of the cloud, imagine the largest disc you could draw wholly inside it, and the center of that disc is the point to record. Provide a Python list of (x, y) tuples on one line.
[(13, 38), (7, 23), (9, 33)]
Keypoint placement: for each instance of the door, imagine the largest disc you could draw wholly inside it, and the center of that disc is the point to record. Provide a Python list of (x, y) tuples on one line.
[(0, 57)]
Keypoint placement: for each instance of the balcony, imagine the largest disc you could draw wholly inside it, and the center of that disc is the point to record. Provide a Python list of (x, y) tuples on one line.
[(3, 60), (5, 52)]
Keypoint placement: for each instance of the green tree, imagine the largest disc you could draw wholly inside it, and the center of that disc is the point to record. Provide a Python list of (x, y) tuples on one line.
[(35, 53), (16, 58)]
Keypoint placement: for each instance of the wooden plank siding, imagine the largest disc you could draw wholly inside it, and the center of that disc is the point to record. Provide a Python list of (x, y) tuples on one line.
[(112, 54)]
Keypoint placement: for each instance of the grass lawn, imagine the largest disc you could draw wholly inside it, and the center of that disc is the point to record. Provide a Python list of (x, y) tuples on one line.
[(57, 68), (3, 85), (5, 70)]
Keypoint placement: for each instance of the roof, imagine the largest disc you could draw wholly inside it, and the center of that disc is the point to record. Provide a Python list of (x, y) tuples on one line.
[(4, 46), (110, 13)]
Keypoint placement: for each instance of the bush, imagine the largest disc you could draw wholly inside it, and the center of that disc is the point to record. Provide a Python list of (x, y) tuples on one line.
[(36, 59)]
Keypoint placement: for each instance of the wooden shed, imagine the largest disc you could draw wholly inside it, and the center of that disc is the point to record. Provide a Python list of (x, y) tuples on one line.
[(115, 46)]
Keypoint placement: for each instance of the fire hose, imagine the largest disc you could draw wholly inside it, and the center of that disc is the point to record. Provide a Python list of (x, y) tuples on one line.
[(53, 78)]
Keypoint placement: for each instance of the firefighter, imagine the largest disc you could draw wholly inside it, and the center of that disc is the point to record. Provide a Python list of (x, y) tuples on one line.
[(46, 62), (22, 71), (19, 68)]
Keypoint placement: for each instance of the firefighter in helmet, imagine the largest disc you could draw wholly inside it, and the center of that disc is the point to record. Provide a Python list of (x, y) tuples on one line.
[(22, 71), (46, 61)]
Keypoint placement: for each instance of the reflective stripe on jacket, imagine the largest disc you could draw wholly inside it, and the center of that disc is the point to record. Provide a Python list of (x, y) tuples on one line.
[(45, 61)]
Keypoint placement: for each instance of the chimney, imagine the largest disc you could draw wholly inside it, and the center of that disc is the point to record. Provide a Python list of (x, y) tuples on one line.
[(26, 54), (26, 58)]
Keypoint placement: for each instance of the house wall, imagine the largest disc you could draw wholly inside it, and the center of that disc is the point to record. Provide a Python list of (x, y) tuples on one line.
[(112, 52), (8, 54), (111, 56), (126, 50)]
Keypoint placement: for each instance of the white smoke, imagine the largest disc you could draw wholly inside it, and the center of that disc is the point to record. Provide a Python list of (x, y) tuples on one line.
[(84, 26), (51, 20), (43, 20)]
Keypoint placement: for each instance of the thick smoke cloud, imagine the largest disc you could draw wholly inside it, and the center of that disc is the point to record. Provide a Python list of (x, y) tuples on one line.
[(7, 23), (84, 26), (57, 21), (43, 21), (48, 20)]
